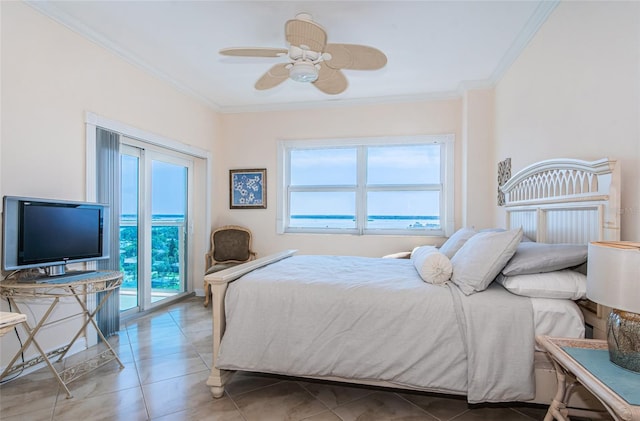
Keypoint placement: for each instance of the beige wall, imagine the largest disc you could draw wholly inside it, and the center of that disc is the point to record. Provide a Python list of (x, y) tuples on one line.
[(575, 93), (50, 78), (250, 141), (478, 167)]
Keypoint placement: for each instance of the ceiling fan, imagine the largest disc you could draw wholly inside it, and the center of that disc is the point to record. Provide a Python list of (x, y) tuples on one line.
[(311, 59)]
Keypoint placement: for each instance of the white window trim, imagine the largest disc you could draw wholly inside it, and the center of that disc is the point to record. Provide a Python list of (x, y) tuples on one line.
[(92, 121), (446, 168)]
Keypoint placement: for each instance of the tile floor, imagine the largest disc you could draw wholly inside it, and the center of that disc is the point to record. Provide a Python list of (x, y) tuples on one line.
[(167, 355)]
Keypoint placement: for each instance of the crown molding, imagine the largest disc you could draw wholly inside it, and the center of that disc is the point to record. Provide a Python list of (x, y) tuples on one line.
[(49, 9), (336, 103), (470, 85), (539, 17), (542, 12)]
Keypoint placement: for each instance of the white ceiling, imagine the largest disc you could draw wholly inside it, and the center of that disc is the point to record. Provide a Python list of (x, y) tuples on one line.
[(434, 48)]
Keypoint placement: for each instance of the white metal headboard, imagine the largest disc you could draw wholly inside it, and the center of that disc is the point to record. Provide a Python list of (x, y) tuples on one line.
[(565, 201)]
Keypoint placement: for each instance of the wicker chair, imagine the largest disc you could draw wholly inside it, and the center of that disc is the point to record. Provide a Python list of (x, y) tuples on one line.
[(230, 246)]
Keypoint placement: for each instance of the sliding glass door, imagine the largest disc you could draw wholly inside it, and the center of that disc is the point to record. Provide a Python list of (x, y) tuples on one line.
[(155, 197), (129, 222)]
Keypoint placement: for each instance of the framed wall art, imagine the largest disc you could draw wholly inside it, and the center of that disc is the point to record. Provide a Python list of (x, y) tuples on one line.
[(504, 174), (248, 189)]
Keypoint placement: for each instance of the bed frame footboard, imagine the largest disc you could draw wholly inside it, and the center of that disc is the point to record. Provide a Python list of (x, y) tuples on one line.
[(218, 378), (219, 282)]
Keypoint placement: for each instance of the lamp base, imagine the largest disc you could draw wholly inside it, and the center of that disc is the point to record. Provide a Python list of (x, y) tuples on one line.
[(623, 336)]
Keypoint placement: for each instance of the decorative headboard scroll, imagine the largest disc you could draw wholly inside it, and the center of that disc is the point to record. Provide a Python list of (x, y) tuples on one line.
[(565, 201)]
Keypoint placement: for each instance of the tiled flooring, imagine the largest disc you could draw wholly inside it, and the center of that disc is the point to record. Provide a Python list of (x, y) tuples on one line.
[(167, 356)]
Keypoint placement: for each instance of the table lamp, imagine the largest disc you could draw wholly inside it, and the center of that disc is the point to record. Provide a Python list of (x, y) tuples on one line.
[(613, 280)]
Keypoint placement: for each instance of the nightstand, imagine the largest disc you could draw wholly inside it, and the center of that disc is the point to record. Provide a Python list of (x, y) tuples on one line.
[(587, 361)]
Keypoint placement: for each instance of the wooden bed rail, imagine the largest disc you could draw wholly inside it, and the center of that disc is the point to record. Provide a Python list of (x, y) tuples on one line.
[(231, 274)]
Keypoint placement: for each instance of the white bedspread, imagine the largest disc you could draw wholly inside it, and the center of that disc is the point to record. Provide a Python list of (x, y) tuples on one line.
[(365, 318), (498, 327)]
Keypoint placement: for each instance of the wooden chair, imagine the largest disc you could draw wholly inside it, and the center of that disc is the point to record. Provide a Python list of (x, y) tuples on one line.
[(230, 246)]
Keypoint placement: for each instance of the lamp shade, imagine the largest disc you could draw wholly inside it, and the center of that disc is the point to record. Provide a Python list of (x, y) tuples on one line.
[(613, 274)]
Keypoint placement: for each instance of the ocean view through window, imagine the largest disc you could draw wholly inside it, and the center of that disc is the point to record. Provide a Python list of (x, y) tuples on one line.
[(153, 226), (367, 186), (379, 221)]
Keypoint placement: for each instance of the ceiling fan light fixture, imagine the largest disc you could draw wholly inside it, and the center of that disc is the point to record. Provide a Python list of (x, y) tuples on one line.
[(311, 59), (303, 71)]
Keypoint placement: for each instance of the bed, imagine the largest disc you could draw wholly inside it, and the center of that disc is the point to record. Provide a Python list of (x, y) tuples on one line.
[(390, 322)]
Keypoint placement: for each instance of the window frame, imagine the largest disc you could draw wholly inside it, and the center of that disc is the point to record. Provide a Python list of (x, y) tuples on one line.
[(446, 185)]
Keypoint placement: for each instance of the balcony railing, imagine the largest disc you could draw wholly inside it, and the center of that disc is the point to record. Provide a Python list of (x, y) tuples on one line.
[(167, 254)]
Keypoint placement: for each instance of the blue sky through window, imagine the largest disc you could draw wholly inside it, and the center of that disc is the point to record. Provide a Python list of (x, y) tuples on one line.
[(329, 167), (129, 184), (386, 165), (169, 184), (410, 164), (168, 189)]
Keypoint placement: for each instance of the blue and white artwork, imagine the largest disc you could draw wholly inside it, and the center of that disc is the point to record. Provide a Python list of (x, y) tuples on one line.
[(248, 188)]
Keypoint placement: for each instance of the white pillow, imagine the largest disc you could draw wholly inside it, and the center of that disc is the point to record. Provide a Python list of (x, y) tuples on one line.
[(432, 266), (567, 284), (457, 240), (482, 257), (533, 257)]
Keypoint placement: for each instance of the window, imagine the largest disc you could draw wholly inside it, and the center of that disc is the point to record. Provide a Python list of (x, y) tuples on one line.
[(398, 185), (155, 199), (160, 194)]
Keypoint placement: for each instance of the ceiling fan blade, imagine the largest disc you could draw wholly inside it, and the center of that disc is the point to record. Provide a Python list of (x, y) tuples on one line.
[(305, 32), (254, 52), (355, 57), (330, 81), (273, 77)]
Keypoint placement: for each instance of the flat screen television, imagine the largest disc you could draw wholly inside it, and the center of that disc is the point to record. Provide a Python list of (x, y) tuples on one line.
[(49, 234)]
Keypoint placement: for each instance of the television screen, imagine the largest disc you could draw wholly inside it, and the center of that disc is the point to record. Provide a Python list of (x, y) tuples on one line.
[(44, 232), (58, 232)]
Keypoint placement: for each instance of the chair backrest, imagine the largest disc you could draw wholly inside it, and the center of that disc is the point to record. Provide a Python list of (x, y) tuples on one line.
[(230, 243)]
